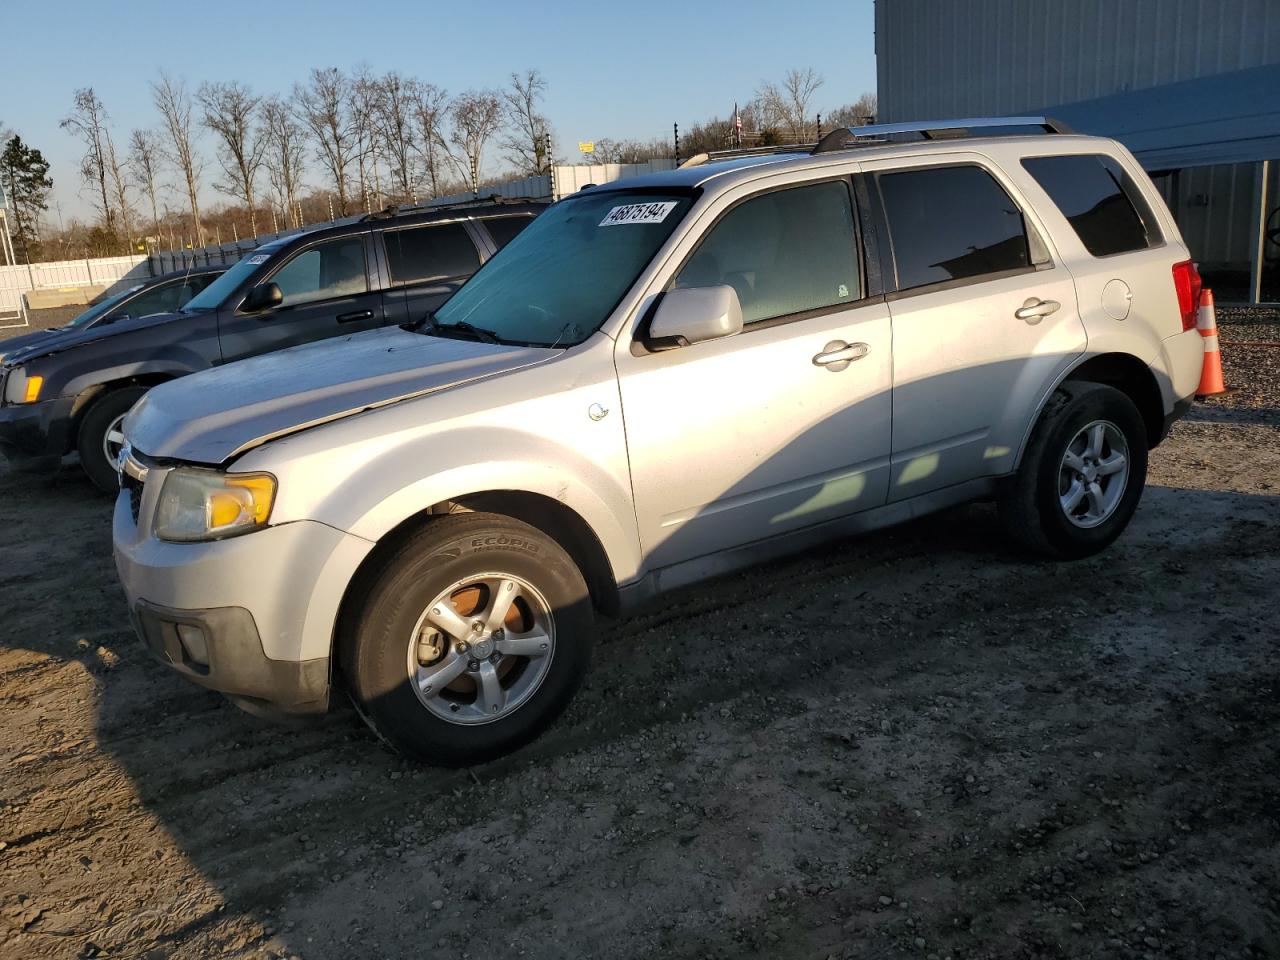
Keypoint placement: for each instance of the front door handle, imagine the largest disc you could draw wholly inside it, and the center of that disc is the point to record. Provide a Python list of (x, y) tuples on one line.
[(357, 315), (1033, 309), (837, 355)]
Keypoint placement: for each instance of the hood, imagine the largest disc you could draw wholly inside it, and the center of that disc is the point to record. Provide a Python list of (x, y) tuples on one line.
[(214, 415), (15, 346), (62, 338)]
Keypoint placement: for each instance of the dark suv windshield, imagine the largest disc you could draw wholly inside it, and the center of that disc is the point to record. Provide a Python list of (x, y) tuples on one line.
[(559, 280), (103, 308), (211, 297)]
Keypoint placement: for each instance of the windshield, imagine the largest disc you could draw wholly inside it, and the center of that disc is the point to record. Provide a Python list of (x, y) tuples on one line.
[(211, 297), (100, 310), (559, 280)]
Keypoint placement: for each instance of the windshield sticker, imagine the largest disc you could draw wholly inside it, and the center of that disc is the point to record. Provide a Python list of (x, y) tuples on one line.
[(638, 213), (259, 258)]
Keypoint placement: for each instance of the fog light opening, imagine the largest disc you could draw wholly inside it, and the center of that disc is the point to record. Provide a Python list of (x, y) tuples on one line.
[(195, 646)]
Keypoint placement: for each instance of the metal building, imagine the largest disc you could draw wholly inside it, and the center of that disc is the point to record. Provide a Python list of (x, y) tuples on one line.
[(1192, 86)]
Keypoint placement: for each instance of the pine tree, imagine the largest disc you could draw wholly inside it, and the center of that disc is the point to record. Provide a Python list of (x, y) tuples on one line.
[(25, 174)]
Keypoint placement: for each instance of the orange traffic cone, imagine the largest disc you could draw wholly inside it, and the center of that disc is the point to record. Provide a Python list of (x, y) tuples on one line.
[(1207, 323)]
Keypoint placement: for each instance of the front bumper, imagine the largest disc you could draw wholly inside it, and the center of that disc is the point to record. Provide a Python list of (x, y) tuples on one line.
[(36, 434), (250, 616)]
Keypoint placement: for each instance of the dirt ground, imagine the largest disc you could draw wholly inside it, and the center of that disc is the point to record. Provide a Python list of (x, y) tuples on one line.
[(917, 744)]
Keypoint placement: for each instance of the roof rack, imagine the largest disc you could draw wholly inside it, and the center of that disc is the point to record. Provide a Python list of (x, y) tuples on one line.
[(844, 137), (711, 156), (401, 210)]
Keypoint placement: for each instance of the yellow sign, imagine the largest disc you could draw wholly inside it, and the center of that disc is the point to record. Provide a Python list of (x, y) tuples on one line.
[(587, 146)]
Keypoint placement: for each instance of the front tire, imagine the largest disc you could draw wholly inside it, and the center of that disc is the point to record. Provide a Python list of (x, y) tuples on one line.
[(1082, 474), (100, 437), (471, 638)]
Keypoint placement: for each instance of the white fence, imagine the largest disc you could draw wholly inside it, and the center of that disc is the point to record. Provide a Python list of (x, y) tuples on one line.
[(17, 280)]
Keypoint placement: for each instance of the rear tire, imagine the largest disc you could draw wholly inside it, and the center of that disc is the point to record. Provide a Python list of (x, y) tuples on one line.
[(97, 437), (1082, 474), (435, 663)]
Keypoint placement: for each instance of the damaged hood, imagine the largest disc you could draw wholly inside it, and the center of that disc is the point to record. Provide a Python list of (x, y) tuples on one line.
[(214, 415)]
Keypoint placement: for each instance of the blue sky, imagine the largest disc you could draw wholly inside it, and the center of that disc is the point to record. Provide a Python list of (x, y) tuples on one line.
[(617, 70)]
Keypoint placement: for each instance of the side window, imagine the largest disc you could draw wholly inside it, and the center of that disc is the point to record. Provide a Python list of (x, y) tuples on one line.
[(430, 253), (161, 299), (951, 223), (1098, 199), (335, 268), (504, 229), (784, 252)]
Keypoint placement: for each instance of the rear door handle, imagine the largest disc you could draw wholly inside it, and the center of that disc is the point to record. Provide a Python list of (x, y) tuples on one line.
[(1033, 309), (837, 355), (357, 315)]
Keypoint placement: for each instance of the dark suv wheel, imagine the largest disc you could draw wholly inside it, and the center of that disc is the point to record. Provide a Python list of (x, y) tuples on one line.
[(470, 638), (100, 436), (1082, 474)]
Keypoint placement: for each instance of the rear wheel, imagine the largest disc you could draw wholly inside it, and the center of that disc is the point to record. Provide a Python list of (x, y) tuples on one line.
[(101, 436), (1082, 474), (472, 638)]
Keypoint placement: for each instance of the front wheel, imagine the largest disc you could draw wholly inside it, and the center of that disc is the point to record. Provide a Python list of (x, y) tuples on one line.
[(101, 436), (471, 639), (1082, 474)]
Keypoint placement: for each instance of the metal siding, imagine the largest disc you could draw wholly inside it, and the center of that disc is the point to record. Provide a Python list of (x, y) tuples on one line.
[(976, 57)]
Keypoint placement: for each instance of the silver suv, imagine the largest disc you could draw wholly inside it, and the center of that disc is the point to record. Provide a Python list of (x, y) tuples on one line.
[(660, 380)]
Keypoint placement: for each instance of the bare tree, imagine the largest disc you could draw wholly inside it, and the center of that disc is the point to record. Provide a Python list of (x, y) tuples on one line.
[(144, 164), (230, 111), (363, 95), (88, 121), (476, 115), (857, 114), (174, 103), (526, 145), (788, 106), (394, 117), (284, 139), (120, 188), (431, 107), (322, 107)]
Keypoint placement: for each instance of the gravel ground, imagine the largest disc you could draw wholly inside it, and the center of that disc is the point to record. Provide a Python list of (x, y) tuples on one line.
[(917, 744)]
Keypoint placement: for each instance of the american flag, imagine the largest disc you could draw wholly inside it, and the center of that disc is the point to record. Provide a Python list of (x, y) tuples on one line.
[(737, 125)]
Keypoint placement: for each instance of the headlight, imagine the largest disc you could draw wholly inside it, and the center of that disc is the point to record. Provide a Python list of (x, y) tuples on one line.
[(198, 504), (21, 388)]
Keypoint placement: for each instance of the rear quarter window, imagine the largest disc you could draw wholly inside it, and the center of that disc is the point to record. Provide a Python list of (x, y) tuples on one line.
[(1103, 206)]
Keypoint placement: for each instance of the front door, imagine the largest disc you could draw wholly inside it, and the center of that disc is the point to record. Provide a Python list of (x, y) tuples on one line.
[(326, 294), (761, 433), (984, 320)]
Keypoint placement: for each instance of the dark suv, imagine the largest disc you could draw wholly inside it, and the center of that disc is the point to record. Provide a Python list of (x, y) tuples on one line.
[(73, 391)]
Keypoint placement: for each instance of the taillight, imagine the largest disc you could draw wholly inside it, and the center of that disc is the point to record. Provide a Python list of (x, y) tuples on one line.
[(1186, 280)]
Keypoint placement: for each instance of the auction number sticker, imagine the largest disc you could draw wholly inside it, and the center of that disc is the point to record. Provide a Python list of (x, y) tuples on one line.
[(638, 213), (260, 258)]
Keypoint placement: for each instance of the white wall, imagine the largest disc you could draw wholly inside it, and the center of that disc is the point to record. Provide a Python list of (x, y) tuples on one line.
[(17, 280)]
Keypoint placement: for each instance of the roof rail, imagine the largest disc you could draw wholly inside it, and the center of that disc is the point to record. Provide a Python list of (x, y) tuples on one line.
[(711, 156), (840, 139), (426, 206)]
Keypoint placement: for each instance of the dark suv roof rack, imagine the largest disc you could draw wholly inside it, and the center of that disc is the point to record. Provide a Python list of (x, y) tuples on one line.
[(403, 210), (844, 138)]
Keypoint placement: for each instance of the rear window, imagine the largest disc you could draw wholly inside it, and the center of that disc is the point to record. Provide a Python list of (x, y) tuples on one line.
[(504, 229), (951, 223), (1098, 199), (430, 253)]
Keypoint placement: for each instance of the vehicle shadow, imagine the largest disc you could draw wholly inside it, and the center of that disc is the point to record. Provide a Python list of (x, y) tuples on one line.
[(691, 778)]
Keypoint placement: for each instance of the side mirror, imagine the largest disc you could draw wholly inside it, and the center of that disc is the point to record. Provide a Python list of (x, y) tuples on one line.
[(113, 318), (693, 314), (263, 297)]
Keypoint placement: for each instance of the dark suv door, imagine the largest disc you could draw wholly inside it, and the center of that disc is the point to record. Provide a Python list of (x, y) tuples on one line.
[(326, 291), (427, 264)]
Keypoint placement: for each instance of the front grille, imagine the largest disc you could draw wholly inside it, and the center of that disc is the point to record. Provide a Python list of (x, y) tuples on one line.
[(134, 487)]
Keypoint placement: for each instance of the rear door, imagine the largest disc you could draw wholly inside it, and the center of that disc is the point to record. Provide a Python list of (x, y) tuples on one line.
[(327, 293), (426, 263), (984, 318)]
